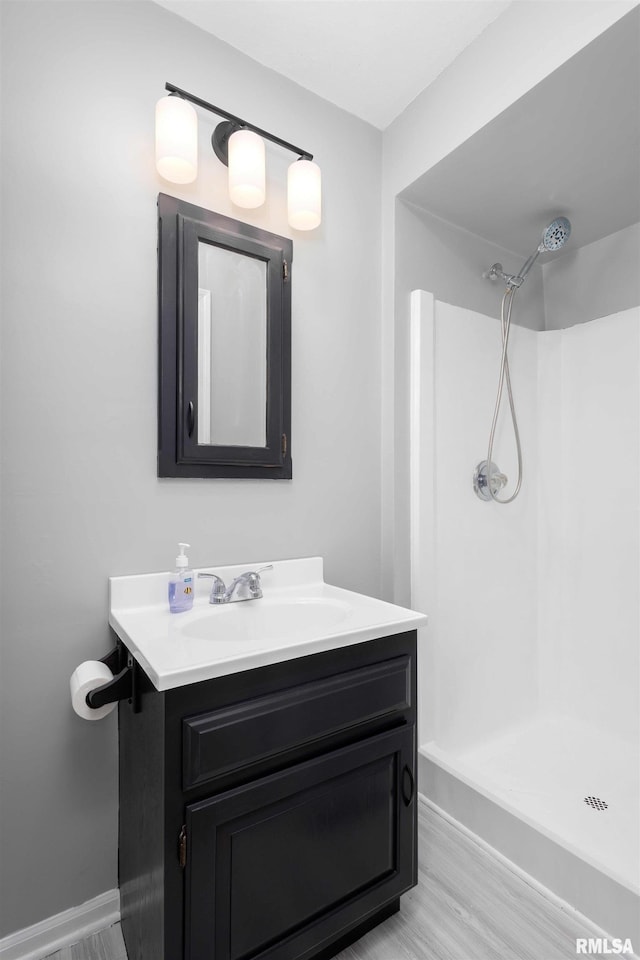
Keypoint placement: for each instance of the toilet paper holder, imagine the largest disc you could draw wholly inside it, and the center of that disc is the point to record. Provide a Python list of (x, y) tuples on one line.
[(124, 684)]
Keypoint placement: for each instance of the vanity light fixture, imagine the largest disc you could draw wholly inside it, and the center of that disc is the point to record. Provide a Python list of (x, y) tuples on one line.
[(304, 195), (176, 140), (246, 169), (240, 146)]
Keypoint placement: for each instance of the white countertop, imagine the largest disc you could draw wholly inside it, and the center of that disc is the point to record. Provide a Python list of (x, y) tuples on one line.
[(298, 615)]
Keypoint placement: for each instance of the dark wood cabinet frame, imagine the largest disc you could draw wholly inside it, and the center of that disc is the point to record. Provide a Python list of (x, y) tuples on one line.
[(181, 227), (305, 771)]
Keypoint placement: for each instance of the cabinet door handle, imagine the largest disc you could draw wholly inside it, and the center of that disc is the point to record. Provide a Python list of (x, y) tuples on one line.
[(408, 785), (190, 418)]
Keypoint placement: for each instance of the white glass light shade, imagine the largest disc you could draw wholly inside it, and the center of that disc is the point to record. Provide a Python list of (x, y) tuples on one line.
[(176, 140), (246, 169), (304, 195)]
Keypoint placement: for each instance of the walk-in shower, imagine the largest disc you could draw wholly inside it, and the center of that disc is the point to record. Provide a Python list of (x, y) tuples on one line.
[(487, 479), (529, 668)]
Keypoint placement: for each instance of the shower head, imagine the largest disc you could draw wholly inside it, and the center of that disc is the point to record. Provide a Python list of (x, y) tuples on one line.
[(555, 235)]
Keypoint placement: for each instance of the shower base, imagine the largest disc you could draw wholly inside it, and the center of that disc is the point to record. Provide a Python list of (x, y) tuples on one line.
[(524, 791)]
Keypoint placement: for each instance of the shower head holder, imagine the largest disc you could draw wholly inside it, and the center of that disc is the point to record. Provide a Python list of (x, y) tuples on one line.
[(496, 271)]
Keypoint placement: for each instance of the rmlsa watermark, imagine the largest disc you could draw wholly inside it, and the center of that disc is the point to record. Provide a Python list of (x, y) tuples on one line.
[(603, 946)]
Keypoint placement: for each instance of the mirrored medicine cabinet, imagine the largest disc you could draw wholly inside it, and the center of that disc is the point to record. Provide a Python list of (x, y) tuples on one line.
[(225, 346)]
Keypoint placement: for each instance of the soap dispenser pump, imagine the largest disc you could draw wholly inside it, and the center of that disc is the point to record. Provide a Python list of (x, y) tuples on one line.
[(181, 583)]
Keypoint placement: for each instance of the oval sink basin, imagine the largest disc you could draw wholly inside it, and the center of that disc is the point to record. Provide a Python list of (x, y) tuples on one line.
[(267, 620)]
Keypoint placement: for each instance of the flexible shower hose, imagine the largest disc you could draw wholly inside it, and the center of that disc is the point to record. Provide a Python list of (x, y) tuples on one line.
[(505, 325)]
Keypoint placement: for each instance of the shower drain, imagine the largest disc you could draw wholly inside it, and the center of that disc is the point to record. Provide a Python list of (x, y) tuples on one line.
[(596, 803)]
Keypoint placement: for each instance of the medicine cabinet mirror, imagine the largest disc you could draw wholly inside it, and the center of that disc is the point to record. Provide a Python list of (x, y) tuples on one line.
[(225, 346)]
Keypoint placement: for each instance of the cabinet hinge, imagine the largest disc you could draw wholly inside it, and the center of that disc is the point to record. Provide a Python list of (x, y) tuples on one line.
[(284, 444), (182, 847), (285, 270)]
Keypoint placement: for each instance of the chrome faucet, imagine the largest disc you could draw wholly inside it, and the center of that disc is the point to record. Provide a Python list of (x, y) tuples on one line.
[(248, 582)]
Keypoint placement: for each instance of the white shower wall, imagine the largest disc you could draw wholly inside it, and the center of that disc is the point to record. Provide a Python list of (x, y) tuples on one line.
[(588, 467), (534, 606), (479, 587)]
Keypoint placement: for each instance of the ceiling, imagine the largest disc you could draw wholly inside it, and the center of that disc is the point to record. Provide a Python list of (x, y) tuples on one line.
[(370, 57), (570, 146)]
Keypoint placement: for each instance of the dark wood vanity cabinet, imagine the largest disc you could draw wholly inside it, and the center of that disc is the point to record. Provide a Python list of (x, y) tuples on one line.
[(269, 814)]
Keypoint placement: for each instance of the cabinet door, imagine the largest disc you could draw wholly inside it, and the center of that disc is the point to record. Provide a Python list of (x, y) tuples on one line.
[(286, 864)]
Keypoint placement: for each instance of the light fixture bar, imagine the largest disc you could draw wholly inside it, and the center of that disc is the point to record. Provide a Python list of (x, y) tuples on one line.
[(302, 154)]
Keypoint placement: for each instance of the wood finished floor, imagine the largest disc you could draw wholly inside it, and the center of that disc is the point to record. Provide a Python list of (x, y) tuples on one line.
[(467, 906), (106, 945)]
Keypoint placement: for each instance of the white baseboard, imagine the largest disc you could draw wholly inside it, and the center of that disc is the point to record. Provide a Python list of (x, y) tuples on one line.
[(44, 938)]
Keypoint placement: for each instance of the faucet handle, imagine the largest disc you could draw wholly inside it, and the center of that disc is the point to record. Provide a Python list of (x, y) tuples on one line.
[(217, 587), (253, 581)]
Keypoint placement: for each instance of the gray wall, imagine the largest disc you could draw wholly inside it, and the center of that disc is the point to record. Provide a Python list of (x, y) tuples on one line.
[(81, 499), (593, 281), (449, 261)]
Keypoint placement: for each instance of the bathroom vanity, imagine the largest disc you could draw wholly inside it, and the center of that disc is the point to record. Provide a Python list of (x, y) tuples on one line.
[(267, 797)]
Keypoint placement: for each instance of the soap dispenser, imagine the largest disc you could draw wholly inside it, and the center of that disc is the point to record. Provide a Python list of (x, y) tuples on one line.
[(181, 583)]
